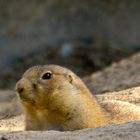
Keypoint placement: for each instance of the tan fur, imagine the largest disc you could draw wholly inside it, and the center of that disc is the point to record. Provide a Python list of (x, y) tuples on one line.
[(64, 102)]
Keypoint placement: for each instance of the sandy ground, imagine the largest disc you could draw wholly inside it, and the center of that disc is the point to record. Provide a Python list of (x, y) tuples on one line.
[(128, 131), (12, 121)]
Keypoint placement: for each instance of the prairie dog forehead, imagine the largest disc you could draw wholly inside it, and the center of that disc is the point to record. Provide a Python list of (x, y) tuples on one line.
[(36, 71)]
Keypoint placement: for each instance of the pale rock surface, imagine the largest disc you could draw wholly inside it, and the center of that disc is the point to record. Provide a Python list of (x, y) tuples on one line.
[(128, 131), (122, 75)]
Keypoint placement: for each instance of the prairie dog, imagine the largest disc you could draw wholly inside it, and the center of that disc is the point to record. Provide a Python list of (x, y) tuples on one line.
[(55, 98)]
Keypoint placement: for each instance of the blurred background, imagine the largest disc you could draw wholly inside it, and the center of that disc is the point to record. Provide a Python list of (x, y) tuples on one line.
[(83, 35)]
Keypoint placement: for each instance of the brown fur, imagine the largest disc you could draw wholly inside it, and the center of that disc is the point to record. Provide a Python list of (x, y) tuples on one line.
[(64, 102)]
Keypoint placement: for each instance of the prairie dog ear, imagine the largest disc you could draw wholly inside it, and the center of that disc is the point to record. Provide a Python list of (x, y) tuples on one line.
[(70, 78)]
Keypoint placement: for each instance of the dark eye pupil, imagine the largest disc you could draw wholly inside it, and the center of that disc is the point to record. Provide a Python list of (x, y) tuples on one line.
[(47, 75)]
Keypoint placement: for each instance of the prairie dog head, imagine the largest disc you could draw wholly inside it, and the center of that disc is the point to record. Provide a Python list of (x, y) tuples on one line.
[(47, 83)]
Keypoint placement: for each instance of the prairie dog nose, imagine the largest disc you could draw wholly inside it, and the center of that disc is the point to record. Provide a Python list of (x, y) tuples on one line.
[(25, 85), (20, 86)]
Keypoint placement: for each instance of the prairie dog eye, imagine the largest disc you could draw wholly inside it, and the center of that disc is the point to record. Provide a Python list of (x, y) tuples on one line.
[(47, 75)]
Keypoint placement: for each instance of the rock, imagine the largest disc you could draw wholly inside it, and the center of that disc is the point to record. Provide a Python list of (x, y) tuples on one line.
[(118, 76), (6, 95), (15, 123), (131, 95), (127, 131), (9, 105)]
